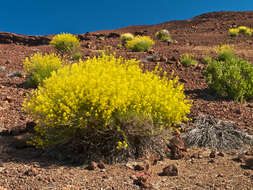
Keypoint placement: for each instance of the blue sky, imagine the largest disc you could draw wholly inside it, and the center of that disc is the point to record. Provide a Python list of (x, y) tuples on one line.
[(37, 17)]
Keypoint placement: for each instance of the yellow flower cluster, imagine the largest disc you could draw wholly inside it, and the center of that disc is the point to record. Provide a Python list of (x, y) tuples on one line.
[(39, 67), (65, 43), (140, 43), (96, 90), (241, 29), (122, 145)]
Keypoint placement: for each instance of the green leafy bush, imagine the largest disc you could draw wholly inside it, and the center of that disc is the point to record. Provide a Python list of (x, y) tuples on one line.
[(163, 35), (140, 43), (230, 76), (76, 56), (40, 67), (65, 43), (126, 37), (99, 95), (208, 59), (188, 60), (225, 52)]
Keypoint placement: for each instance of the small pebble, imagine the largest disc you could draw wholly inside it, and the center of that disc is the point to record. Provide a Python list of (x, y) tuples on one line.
[(2, 69)]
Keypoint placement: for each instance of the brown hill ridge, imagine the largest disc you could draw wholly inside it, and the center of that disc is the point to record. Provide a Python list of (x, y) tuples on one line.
[(8, 38), (208, 23)]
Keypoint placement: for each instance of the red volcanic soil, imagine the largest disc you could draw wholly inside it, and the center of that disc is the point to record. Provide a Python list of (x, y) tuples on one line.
[(25, 168)]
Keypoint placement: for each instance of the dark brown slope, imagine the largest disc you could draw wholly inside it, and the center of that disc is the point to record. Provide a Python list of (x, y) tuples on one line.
[(8, 38)]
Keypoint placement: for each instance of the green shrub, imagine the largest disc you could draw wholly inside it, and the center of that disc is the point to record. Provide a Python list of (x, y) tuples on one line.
[(230, 76), (77, 56), (163, 35), (208, 59), (39, 67), (225, 52), (126, 37), (98, 95), (140, 43), (65, 43), (188, 60)]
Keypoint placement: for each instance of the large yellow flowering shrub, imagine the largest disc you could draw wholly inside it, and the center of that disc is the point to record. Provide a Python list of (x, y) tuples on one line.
[(65, 43), (96, 93), (39, 67)]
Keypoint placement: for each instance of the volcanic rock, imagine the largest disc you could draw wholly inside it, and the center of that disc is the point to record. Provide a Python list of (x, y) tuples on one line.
[(170, 170)]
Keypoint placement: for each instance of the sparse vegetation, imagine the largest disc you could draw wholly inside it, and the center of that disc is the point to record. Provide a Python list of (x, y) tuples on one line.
[(188, 60), (107, 50), (140, 43), (163, 35), (39, 67), (65, 43), (119, 46), (103, 95), (230, 76), (102, 38)]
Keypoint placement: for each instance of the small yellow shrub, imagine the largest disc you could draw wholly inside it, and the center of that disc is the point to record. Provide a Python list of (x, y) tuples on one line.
[(126, 37), (241, 29), (140, 43), (163, 35), (233, 31), (39, 67), (97, 93), (225, 52), (65, 43), (188, 60)]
